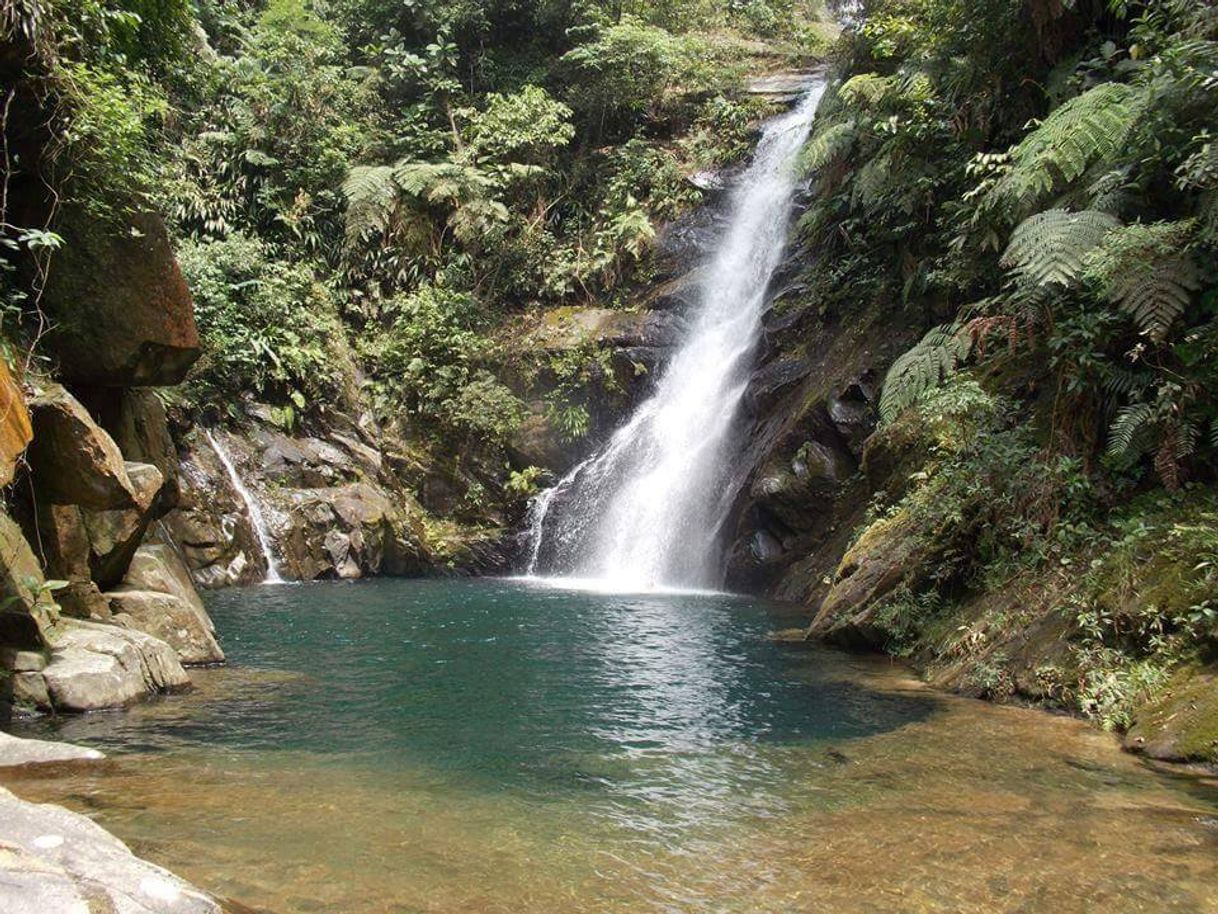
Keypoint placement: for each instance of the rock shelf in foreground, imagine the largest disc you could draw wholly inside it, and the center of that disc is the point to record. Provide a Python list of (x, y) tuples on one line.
[(54, 861)]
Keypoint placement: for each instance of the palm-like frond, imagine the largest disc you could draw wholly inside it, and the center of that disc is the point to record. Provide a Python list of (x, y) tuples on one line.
[(923, 368), (1050, 248)]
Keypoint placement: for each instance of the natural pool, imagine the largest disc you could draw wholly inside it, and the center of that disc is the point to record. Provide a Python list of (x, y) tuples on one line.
[(501, 746)]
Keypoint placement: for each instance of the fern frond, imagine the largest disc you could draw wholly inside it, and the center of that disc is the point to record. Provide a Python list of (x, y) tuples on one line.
[(1155, 296), (1050, 248), (371, 197), (829, 144), (1178, 444), (1089, 128), (1148, 272), (873, 181), (923, 368), (1128, 434), (867, 89), (1200, 170)]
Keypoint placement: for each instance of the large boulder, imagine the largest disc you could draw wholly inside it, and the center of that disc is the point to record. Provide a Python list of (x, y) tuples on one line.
[(115, 535), (16, 752), (72, 459), (54, 861), (348, 532), (158, 597), (94, 667), (170, 619), (210, 523), (91, 550), (27, 610), (123, 314), (137, 421), (15, 428), (889, 554), (66, 552)]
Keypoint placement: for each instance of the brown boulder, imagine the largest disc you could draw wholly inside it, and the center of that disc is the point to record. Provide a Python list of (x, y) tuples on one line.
[(15, 429), (27, 610), (72, 459), (65, 550), (115, 535), (91, 550), (123, 314), (136, 420)]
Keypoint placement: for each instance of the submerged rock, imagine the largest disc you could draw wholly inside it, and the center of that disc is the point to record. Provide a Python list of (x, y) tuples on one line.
[(54, 861), (15, 752)]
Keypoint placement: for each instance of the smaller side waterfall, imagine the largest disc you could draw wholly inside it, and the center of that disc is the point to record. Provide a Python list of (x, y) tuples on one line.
[(252, 508)]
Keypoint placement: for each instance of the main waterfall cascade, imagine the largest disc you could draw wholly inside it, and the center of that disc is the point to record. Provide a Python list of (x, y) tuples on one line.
[(646, 511)]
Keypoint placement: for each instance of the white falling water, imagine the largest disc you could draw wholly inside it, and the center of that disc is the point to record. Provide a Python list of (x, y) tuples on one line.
[(252, 508), (645, 512)]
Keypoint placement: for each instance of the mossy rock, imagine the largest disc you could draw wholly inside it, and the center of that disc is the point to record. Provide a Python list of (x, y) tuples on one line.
[(1181, 724), (888, 554)]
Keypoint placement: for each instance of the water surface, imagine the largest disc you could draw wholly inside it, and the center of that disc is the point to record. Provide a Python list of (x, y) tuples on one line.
[(494, 746)]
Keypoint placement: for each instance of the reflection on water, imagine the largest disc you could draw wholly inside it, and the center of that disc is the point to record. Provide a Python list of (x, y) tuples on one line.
[(496, 747)]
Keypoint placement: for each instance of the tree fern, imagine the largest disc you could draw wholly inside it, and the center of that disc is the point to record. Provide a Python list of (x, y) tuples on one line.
[(867, 89), (371, 193), (923, 368), (1089, 128), (1148, 272), (829, 144), (1050, 248)]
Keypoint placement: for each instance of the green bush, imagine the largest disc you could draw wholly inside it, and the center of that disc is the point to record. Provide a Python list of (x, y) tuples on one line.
[(266, 325), (431, 359)]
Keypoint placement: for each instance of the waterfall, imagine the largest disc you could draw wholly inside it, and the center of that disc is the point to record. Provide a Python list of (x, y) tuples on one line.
[(252, 508), (646, 511)]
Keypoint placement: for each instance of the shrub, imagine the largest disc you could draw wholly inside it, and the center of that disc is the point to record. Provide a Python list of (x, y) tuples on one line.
[(265, 323), (430, 360)]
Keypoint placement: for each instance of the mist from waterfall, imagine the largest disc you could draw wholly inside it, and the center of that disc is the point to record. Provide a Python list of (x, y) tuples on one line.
[(645, 512)]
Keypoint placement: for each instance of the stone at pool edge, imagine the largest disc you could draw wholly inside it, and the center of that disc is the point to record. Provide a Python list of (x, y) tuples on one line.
[(15, 751), (54, 861), (95, 667)]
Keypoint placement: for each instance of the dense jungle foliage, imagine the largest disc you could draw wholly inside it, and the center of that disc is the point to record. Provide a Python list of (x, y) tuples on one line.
[(380, 183), (1035, 184)]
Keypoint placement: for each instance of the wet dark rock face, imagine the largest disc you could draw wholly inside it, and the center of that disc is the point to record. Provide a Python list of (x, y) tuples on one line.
[(809, 409)]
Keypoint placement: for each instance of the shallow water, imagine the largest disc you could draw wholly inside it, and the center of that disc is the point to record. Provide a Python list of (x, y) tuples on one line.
[(495, 746)]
